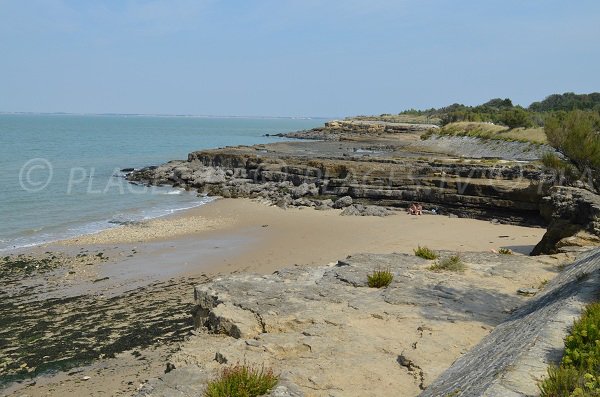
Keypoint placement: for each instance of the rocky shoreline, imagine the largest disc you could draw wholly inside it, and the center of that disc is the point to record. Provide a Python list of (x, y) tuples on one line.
[(364, 164), (300, 319), (323, 330)]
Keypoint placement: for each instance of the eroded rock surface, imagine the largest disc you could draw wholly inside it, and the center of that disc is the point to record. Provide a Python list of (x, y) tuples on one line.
[(514, 357), (574, 220), (328, 334)]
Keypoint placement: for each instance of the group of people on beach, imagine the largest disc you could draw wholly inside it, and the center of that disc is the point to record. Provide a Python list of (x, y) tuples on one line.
[(415, 209)]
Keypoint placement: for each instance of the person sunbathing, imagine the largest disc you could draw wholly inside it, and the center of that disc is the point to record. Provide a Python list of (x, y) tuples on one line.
[(415, 209), (419, 209)]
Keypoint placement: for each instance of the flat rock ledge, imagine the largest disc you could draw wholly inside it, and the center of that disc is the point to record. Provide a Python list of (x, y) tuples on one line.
[(328, 334), (514, 357)]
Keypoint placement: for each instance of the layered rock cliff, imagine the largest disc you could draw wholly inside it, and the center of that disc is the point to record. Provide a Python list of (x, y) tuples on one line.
[(390, 173)]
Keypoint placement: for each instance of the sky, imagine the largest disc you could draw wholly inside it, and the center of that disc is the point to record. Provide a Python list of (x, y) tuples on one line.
[(291, 57)]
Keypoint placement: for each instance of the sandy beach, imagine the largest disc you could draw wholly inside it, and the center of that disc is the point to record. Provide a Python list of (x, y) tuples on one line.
[(232, 236), (261, 238)]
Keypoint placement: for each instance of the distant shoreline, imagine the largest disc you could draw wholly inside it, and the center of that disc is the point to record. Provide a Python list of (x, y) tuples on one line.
[(202, 116)]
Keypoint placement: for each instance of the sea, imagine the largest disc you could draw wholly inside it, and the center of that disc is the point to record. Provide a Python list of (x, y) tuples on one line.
[(61, 174)]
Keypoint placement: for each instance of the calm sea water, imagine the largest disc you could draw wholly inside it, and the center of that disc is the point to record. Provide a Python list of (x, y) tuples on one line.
[(57, 172)]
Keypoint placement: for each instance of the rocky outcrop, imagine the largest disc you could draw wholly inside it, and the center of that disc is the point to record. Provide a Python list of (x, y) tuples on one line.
[(514, 357), (312, 173), (472, 147), (573, 217), (336, 130), (328, 334)]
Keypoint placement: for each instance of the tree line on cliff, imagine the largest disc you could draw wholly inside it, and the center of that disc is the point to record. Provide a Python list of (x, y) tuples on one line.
[(504, 112)]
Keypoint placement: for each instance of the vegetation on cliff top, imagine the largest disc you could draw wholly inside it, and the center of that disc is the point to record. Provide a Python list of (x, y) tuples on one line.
[(576, 134), (504, 112)]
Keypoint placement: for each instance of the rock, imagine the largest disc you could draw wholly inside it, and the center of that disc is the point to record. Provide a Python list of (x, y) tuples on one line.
[(284, 202), (220, 358), (233, 321), (324, 205), (303, 190), (369, 210), (342, 202), (527, 291), (303, 202), (170, 367), (127, 169), (574, 218)]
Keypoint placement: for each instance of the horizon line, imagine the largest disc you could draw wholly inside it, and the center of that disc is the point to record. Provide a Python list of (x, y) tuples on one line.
[(168, 115)]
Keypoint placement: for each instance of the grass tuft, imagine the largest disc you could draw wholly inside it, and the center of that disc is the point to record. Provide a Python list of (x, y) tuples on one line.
[(242, 381), (452, 264), (425, 253), (505, 251), (380, 278)]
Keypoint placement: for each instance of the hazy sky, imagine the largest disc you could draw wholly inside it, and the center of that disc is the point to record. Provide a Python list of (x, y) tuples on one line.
[(291, 58)]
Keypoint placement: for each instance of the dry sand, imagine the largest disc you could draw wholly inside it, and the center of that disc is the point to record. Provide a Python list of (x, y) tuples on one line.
[(270, 238), (232, 235)]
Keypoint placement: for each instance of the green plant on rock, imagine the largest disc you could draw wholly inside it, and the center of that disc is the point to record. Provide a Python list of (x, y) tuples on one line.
[(425, 253), (579, 372), (242, 381), (380, 278), (452, 264)]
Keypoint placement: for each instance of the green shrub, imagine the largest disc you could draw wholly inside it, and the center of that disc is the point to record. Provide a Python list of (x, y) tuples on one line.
[(576, 135), (242, 381), (560, 382), (380, 278), (579, 370), (453, 264), (505, 251), (425, 253)]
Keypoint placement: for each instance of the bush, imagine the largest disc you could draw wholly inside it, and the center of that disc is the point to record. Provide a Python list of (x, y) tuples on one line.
[(425, 253), (575, 134), (579, 370), (453, 264), (516, 117), (380, 278), (242, 381), (505, 251)]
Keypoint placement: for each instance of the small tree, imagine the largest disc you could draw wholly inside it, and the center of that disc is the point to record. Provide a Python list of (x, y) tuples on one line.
[(516, 117), (576, 135)]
